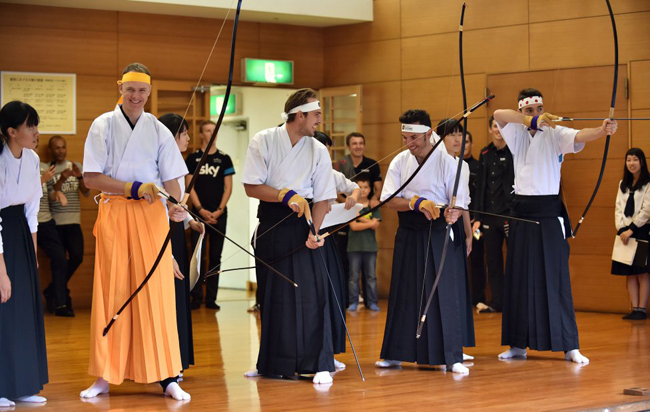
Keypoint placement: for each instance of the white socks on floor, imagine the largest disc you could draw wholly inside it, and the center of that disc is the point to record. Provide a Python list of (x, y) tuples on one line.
[(467, 357), (32, 399), (6, 403), (575, 356), (459, 368), (339, 366), (385, 363), (513, 353), (251, 373), (175, 391), (100, 386), (323, 377)]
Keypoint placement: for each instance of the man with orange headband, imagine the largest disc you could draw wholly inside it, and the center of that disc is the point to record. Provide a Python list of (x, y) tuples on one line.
[(128, 155)]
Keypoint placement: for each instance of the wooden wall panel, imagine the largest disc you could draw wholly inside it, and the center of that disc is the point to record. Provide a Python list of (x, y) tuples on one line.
[(385, 26), (594, 288), (641, 131), (579, 179), (573, 9), (437, 55), (421, 18), (442, 96), (589, 42), (362, 63), (640, 84), (381, 102), (58, 50), (183, 26), (64, 18)]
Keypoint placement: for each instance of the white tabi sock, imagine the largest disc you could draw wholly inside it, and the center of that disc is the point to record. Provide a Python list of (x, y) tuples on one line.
[(513, 353), (467, 357), (575, 356), (175, 391), (459, 368), (100, 386), (339, 365), (6, 403), (385, 363), (252, 373), (323, 377), (32, 399)]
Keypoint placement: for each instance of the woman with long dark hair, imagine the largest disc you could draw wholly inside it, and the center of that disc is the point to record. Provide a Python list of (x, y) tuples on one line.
[(179, 128), (23, 357), (631, 218)]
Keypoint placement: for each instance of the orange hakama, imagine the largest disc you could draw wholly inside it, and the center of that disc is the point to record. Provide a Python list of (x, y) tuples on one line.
[(143, 343)]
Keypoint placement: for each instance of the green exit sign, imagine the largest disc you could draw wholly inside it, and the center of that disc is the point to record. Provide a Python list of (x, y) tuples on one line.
[(216, 103), (267, 71)]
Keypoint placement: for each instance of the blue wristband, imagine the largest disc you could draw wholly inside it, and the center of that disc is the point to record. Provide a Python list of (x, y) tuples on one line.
[(287, 197), (533, 123), (134, 190), (416, 206)]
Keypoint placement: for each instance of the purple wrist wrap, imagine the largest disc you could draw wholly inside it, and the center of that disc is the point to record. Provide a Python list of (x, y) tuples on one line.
[(134, 190), (416, 206), (287, 197)]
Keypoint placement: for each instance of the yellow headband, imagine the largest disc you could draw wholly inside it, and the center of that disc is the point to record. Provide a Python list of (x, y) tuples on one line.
[(135, 77)]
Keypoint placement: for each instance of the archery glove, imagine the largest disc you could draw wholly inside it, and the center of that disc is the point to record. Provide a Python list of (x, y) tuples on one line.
[(535, 122), (137, 190), (288, 197), (421, 204)]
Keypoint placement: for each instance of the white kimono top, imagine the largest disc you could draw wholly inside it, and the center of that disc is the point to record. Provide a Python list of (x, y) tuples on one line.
[(538, 160), (343, 184), (147, 153), (435, 181), (305, 168), (20, 183)]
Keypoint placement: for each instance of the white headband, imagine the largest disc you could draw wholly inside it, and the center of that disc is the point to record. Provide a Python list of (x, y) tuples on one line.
[(415, 128), (307, 107), (527, 101)]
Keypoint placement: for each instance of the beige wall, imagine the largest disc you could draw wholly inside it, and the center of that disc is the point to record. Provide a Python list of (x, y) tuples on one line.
[(408, 58)]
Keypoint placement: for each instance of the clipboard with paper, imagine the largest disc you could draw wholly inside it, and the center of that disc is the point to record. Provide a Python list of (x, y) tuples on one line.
[(635, 253)]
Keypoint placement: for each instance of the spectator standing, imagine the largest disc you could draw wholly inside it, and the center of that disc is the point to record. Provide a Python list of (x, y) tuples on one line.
[(631, 214), (68, 181), (209, 198), (494, 194)]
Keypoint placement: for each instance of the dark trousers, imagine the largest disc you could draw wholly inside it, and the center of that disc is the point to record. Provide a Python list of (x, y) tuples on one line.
[(342, 244), (214, 248), (72, 240), (48, 240), (495, 233), (477, 265)]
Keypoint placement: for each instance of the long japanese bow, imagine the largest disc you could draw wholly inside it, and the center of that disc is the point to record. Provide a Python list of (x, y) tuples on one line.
[(194, 176), (611, 116), (459, 169)]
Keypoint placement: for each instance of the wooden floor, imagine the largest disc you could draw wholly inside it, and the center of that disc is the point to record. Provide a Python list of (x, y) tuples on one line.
[(226, 345)]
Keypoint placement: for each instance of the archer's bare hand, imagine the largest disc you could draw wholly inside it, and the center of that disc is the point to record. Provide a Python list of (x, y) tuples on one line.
[(468, 242), (451, 215), (609, 126), (351, 201), (197, 226), (177, 271), (312, 243), (176, 213), (5, 288)]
